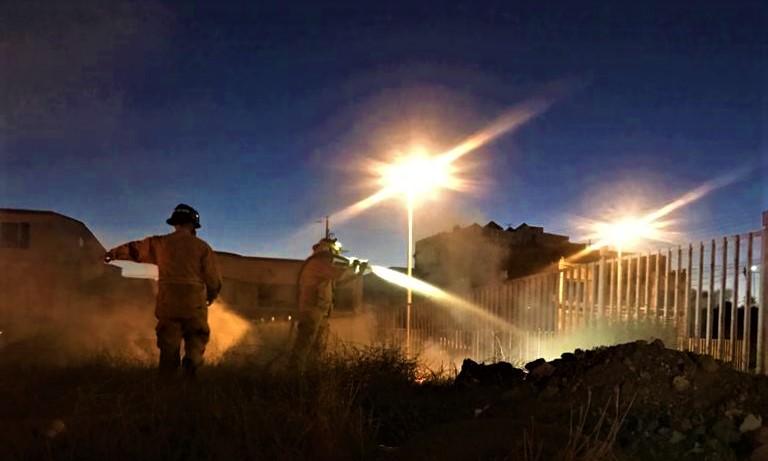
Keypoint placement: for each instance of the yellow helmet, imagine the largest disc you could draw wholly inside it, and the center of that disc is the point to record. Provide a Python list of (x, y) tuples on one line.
[(332, 246)]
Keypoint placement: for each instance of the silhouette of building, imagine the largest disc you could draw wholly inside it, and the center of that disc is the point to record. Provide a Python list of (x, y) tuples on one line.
[(49, 261), (476, 255), (260, 287)]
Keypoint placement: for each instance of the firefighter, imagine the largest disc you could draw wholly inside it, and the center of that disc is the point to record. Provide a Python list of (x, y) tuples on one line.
[(316, 283), (188, 282)]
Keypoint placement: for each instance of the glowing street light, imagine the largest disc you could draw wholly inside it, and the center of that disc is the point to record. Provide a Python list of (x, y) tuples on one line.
[(413, 177), (627, 232), (418, 174)]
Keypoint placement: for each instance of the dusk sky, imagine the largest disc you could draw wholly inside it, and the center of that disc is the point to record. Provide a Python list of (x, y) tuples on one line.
[(261, 116)]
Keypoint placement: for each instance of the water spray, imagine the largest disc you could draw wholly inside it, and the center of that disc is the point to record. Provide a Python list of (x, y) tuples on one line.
[(440, 296)]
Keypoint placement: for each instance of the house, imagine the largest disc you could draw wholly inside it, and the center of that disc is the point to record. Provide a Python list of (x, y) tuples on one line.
[(51, 263)]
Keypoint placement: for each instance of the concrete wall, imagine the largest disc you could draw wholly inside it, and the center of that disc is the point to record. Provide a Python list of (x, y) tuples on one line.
[(256, 286)]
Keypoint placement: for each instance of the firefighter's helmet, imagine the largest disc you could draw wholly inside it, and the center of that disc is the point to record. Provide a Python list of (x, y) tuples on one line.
[(332, 246), (184, 214)]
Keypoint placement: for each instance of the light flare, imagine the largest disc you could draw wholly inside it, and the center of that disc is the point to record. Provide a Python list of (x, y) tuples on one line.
[(418, 174), (439, 170), (628, 231)]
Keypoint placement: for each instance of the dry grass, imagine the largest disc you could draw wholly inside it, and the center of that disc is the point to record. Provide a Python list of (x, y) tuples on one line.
[(587, 440), (335, 408), (597, 443)]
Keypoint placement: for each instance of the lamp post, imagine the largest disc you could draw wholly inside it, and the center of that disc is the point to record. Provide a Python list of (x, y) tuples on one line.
[(409, 295), (414, 177)]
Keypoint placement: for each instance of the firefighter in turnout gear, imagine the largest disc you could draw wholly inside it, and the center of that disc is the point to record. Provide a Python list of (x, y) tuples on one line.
[(188, 282), (316, 283)]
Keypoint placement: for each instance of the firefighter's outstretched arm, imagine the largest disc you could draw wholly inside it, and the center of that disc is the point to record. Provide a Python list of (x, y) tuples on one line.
[(140, 251)]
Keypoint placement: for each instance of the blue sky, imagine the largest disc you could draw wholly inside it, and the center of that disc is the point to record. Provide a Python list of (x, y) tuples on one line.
[(260, 115)]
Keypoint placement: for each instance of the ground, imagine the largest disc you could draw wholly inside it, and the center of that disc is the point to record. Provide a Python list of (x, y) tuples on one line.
[(634, 401)]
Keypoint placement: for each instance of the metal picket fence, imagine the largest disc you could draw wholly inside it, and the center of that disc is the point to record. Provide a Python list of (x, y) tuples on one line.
[(704, 296)]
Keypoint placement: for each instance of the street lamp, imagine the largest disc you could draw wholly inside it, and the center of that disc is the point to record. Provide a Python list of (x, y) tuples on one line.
[(414, 177), (625, 233)]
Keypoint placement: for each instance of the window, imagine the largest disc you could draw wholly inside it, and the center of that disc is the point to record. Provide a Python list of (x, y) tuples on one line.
[(14, 235)]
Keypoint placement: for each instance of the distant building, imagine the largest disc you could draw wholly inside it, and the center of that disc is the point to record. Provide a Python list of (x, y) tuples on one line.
[(257, 287), (477, 255), (51, 262)]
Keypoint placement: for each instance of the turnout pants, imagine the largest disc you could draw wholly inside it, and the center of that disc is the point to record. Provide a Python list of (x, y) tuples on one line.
[(311, 335), (193, 330)]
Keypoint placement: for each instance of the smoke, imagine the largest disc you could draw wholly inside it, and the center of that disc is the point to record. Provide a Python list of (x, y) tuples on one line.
[(606, 332), (75, 332), (355, 329), (227, 331), (435, 357), (120, 327)]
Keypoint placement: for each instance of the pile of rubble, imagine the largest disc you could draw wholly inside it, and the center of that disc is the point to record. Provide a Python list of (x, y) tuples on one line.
[(669, 404)]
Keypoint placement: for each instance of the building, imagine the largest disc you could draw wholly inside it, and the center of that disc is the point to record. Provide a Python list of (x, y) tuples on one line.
[(52, 264), (259, 287), (477, 255)]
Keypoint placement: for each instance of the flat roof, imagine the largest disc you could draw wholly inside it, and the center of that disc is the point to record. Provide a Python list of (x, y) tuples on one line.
[(52, 214), (260, 258)]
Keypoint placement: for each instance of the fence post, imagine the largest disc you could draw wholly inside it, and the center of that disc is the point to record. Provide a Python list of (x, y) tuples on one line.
[(601, 285), (761, 322)]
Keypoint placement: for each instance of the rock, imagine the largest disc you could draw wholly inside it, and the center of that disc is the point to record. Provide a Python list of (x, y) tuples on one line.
[(676, 437), (751, 423), (530, 366), (725, 431), (480, 411), (681, 383), (685, 424), (543, 371), (760, 436), (761, 454), (55, 427), (708, 364), (499, 374), (550, 391)]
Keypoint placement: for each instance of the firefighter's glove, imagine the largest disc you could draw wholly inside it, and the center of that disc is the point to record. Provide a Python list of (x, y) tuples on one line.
[(354, 265)]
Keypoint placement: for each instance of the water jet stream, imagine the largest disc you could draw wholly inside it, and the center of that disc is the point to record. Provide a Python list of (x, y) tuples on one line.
[(441, 297)]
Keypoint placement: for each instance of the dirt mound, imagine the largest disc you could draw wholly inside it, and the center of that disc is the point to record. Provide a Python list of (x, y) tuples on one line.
[(666, 404)]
